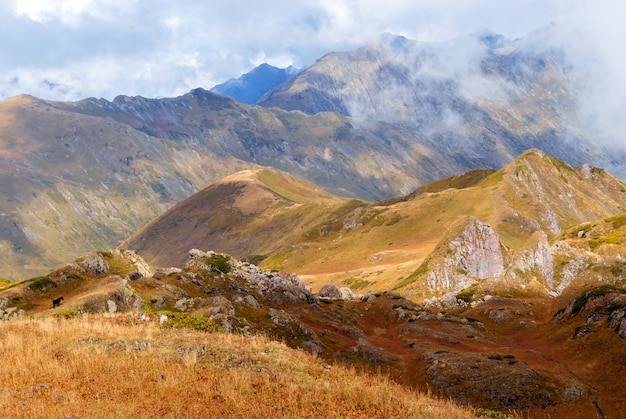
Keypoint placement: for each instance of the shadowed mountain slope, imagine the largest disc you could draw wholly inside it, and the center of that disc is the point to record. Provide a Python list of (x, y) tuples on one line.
[(251, 86)]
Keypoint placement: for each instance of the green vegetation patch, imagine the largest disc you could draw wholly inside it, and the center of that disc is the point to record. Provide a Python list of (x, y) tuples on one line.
[(218, 262), (393, 220), (41, 282), (423, 269), (615, 238), (618, 221), (561, 165), (67, 314), (356, 283), (582, 299), (378, 221), (188, 321), (467, 294), (480, 412)]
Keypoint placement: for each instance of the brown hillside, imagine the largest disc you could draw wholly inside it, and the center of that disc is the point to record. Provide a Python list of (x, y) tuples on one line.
[(250, 215)]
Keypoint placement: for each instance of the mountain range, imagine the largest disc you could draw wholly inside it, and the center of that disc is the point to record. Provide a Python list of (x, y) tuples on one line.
[(436, 212), (499, 290), (371, 124)]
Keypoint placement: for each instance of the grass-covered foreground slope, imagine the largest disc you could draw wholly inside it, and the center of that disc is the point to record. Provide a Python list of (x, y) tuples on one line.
[(527, 354), (121, 366)]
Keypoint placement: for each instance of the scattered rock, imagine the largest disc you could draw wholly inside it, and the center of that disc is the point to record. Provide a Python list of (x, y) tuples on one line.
[(112, 307), (94, 264), (333, 292), (496, 382), (314, 348)]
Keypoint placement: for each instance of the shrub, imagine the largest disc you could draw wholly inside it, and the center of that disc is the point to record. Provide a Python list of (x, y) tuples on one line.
[(465, 296), (67, 314), (582, 299), (393, 220), (618, 221), (479, 412), (218, 262), (41, 283), (422, 270), (189, 321)]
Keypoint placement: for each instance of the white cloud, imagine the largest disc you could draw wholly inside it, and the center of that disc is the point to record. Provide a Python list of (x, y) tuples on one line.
[(73, 12), (162, 47)]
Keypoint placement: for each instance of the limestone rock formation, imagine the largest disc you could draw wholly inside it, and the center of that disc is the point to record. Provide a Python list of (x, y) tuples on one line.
[(473, 253)]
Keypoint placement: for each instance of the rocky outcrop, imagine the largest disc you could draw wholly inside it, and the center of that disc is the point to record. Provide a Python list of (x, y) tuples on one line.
[(121, 298), (535, 260), (498, 381), (270, 284), (617, 322), (574, 263), (9, 313), (137, 262), (475, 252), (333, 292), (604, 306)]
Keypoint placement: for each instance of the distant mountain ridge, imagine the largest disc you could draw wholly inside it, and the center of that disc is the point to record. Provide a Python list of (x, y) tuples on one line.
[(250, 87), (473, 96)]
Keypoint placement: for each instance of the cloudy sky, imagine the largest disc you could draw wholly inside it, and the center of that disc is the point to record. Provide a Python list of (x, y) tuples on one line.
[(72, 49)]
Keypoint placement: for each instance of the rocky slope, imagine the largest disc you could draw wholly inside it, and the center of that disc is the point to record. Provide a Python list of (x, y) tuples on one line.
[(380, 332)]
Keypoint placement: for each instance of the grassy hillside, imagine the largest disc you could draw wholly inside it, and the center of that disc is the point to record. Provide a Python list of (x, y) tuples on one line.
[(291, 225), (529, 354), (534, 193), (250, 215), (121, 366)]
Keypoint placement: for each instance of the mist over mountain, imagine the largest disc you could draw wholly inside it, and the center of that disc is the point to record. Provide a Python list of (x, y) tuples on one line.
[(468, 95)]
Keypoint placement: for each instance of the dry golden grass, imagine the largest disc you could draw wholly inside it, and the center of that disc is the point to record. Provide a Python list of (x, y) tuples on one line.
[(102, 367)]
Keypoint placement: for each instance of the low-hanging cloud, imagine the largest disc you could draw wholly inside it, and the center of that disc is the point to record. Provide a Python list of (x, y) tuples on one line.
[(71, 49)]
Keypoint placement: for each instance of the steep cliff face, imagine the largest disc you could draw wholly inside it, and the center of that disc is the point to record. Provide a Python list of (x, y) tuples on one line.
[(473, 253), (534, 261)]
